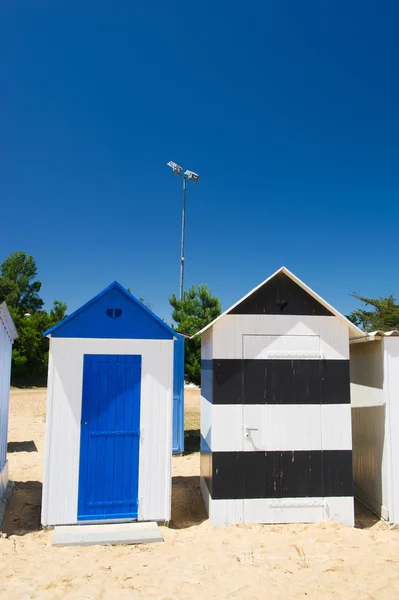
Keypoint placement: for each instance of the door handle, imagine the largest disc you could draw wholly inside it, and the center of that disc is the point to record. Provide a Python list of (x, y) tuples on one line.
[(248, 430)]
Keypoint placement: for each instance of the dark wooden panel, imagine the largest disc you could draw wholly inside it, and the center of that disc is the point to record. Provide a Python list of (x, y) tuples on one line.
[(274, 381), (337, 473), (335, 382), (290, 474), (227, 475), (281, 381), (301, 474), (279, 296), (227, 381)]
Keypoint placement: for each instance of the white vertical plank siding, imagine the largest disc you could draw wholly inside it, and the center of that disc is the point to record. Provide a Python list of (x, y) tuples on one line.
[(275, 427), (5, 371), (279, 510), (336, 428), (367, 374), (282, 427), (276, 346), (391, 388), (229, 331), (226, 512), (207, 346), (370, 426), (60, 489)]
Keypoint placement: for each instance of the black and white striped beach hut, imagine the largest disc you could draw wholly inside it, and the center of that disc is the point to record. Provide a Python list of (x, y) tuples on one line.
[(276, 441)]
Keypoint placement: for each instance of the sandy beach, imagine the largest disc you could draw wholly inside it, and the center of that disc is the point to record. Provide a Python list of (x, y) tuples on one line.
[(322, 560)]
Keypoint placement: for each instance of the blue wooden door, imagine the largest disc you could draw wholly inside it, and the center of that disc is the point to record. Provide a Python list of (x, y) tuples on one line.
[(110, 437)]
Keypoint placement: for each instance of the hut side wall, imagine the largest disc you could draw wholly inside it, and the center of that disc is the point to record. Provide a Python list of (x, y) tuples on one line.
[(369, 417), (64, 399), (5, 370), (286, 377), (391, 367), (375, 421)]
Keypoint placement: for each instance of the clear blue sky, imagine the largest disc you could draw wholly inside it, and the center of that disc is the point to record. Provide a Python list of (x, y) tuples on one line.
[(289, 111)]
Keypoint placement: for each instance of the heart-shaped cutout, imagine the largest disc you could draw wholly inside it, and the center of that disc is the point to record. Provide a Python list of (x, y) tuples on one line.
[(113, 313)]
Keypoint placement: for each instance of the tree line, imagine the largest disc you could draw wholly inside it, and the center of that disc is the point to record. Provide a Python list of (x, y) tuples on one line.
[(20, 289)]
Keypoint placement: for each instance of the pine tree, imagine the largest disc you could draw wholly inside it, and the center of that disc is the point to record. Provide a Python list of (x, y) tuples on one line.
[(197, 309)]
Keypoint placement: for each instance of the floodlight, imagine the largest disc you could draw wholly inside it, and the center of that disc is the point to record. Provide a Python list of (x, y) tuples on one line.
[(175, 168), (192, 176)]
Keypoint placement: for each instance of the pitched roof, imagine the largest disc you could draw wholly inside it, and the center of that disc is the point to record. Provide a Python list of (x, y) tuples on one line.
[(354, 331), (114, 286), (7, 321)]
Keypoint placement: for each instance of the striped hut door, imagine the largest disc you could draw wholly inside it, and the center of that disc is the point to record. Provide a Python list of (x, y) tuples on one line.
[(281, 466)]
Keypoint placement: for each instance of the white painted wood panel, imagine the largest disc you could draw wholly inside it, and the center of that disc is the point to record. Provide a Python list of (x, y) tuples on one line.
[(281, 510), (365, 395), (390, 475), (336, 427), (227, 333), (5, 372), (341, 509), (277, 427), (226, 512), (60, 486), (227, 428), (281, 346), (367, 374), (370, 426), (207, 346), (282, 427)]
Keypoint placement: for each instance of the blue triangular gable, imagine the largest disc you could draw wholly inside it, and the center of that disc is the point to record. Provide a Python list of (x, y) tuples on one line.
[(113, 313)]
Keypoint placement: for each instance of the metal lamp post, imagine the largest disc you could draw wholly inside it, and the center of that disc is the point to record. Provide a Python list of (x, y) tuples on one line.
[(186, 176)]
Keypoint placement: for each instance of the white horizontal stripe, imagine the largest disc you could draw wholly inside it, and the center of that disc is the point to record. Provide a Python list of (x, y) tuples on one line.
[(281, 346), (279, 510), (276, 427), (227, 334)]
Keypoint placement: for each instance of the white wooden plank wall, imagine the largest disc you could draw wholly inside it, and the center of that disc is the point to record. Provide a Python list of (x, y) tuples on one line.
[(60, 486), (370, 426), (391, 388), (275, 427), (5, 370), (279, 510), (229, 331)]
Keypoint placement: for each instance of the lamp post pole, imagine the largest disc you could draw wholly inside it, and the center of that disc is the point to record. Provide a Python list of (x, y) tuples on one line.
[(186, 176), (183, 227)]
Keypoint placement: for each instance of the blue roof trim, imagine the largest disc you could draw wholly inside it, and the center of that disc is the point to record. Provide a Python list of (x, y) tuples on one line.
[(133, 299)]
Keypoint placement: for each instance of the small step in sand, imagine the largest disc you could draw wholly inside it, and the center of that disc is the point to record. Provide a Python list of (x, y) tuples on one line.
[(109, 534)]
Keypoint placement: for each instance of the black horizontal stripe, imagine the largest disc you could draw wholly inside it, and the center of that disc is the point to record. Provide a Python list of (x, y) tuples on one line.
[(280, 295), (289, 474), (274, 381)]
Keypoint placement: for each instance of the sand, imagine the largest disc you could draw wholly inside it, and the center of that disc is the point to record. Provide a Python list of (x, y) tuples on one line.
[(322, 560)]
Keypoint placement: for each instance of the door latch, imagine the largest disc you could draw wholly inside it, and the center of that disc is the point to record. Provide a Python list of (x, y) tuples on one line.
[(248, 431)]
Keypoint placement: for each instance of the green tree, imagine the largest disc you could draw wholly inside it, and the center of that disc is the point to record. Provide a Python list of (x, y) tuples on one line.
[(197, 309), (383, 314), (57, 313), (18, 286), (20, 290)]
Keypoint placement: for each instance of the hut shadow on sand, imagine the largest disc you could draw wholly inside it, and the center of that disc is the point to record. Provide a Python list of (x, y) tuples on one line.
[(23, 513), (188, 508)]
